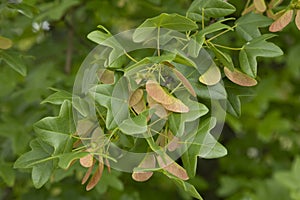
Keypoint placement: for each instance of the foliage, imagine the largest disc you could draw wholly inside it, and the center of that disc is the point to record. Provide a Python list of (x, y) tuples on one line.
[(133, 91)]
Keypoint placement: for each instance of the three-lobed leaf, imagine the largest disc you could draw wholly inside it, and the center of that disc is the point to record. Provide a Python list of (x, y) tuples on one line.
[(57, 131), (257, 47), (248, 25), (203, 145)]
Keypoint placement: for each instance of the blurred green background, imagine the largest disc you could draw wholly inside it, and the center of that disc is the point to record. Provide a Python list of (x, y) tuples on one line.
[(49, 37)]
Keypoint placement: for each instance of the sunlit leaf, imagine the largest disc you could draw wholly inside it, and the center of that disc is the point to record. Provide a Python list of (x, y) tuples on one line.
[(282, 21), (5, 43), (212, 76), (239, 78), (260, 5), (99, 36), (148, 162)]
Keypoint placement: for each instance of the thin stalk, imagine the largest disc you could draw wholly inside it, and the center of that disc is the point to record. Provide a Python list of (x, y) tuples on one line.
[(219, 34), (130, 57), (230, 48)]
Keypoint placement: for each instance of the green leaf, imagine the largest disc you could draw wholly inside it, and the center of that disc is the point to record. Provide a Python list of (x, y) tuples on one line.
[(67, 158), (170, 21), (99, 36), (210, 92), (58, 97), (25, 9), (41, 173), (290, 179), (115, 99), (189, 188), (195, 45), (203, 145), (140, 65), (273, 122), (215, 9), (41, 161), (234, 92), (53, 141), (7, 173), (40, 152), (14, 60), (177, 121), (174, 22), (135, 125), (257, 47), (109, 179), (57, 131), (217, 26), (247, 25), (55, 10)]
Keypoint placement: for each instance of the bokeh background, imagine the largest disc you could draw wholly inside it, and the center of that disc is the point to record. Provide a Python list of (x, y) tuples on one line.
[(49, 38)]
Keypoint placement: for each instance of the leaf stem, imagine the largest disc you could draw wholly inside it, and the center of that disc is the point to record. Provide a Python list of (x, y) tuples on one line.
[(158, 49), (176, 88), (230, 48), (130, 57), (202, 20), (219, 34)]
